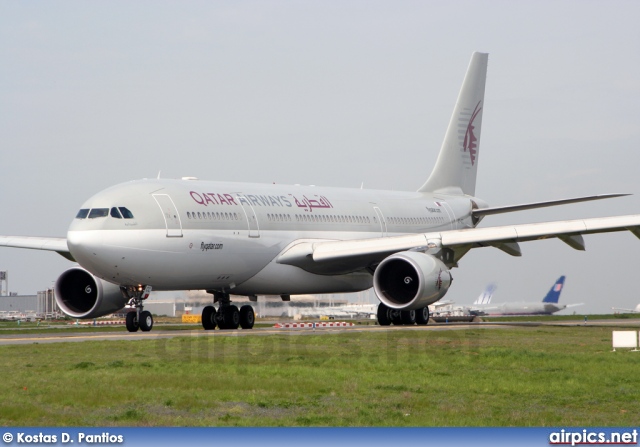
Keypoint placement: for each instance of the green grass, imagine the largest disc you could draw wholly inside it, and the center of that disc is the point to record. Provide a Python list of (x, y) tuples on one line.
[(547, 318), (541, 376)]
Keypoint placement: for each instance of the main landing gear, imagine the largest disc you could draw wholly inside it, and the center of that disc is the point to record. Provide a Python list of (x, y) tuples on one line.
[(138, 318), (387, 316), (227, 316)]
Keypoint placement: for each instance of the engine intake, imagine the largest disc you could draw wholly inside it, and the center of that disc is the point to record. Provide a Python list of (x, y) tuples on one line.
[(81, 295), (411, 280)]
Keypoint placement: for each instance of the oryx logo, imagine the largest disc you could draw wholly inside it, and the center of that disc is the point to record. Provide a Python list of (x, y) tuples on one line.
[(439, 280), (470, 140)]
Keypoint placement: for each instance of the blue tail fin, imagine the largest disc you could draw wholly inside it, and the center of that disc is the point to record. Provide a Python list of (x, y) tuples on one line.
[(485, 296), (554, 294)]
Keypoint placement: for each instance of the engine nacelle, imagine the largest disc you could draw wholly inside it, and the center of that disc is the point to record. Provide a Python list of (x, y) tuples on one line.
[(411, 280), (81, 295)]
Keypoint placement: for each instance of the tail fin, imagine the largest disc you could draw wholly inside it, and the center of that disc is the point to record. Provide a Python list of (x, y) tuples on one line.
[(485, 297), (554, 294), (457, 164)]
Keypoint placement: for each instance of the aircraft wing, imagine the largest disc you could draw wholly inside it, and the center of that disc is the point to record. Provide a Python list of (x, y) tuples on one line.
[(343, 256), (57, 244)]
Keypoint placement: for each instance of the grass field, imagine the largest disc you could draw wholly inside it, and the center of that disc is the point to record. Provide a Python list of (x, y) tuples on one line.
[(538, 376)]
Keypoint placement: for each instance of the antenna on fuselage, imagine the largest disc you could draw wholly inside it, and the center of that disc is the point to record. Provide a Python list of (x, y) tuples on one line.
[(159, 174)]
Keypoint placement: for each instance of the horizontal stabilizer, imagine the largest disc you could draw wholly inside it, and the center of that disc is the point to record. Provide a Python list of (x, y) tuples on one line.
[(529, 206)]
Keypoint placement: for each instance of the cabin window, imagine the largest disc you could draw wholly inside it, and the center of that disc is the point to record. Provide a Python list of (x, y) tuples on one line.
[(83, 213)]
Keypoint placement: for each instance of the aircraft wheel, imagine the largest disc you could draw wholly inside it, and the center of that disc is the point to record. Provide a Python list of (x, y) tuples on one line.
[(384, 318), (230, 317), (408, 317), (209, 318), (132, 322), (396, 317), (234, 318), (422, 316), (247, 317), (146, 321)]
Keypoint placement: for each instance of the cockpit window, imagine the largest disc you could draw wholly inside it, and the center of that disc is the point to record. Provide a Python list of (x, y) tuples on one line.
[(98, 212), (82, 213), (115, 213), (125, 212)]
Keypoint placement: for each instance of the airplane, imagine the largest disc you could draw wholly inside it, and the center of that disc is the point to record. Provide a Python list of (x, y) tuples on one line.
[(266, 239), (547, 306), (635, 310), (343, 311)]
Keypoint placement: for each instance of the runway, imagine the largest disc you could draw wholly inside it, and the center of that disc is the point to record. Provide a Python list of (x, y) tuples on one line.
[(156, 334), (96, 334)]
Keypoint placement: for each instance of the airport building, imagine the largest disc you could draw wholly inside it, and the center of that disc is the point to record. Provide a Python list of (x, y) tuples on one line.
[(42, 305)]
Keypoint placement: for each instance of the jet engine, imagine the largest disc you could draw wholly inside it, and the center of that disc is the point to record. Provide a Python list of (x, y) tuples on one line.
[(81, 295), (411, 280)]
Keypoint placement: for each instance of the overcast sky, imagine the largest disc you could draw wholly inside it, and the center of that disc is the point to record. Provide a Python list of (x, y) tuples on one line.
[(335, 93)]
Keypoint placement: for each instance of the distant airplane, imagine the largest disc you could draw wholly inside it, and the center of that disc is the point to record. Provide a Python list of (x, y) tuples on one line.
[(631, 311), (363, 311), (547, 306), (266, 239)]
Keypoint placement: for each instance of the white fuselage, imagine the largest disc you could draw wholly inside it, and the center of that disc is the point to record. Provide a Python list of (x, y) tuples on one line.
[(524, 308), (190, 234)]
